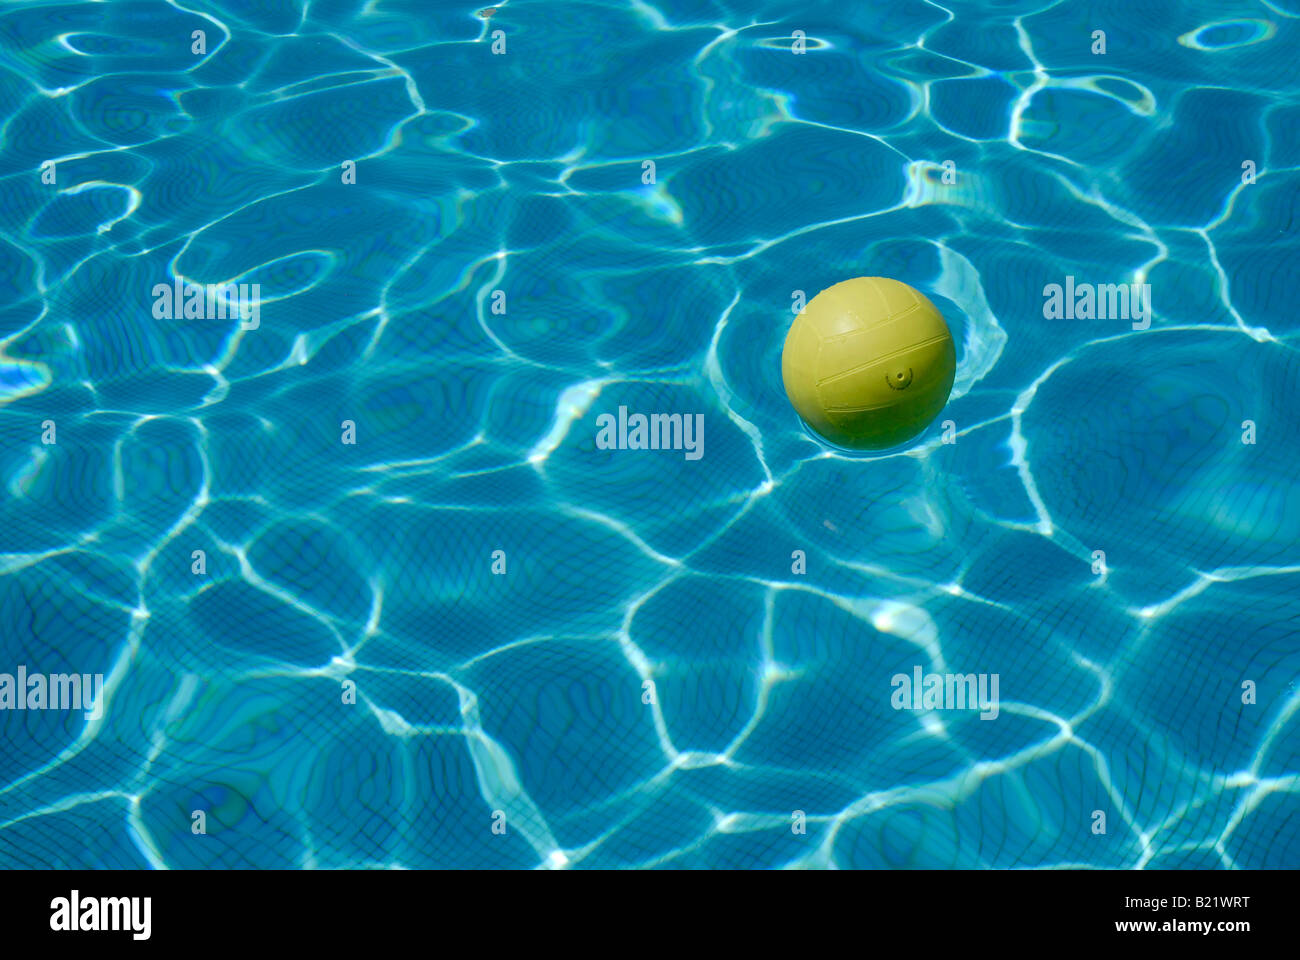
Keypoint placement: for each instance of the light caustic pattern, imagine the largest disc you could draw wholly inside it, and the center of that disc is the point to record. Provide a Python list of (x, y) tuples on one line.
[(1121, 689)]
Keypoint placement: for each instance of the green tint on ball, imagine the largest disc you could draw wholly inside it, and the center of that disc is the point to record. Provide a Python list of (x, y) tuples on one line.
[(869, 363)]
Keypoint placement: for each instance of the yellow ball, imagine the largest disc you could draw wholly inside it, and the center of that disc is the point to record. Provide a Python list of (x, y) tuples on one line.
[(869, 363)]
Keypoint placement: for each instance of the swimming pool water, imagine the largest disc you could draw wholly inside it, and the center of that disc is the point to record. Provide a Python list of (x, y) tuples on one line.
[(366, 588)]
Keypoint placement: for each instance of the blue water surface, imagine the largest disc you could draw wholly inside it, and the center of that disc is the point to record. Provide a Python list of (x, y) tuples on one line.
[(562, 655)]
